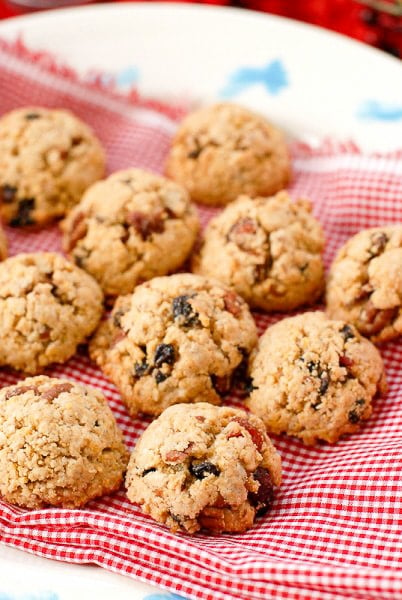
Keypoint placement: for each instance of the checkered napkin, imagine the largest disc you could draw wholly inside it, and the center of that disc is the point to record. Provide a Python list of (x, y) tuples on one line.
[(335, 528)]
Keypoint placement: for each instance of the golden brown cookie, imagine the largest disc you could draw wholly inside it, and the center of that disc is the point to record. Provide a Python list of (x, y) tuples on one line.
[(314, 378), (59, 444), (129, 228), (224, 150), (268, 249), (3, 245), (47, 307), (204, 467), (365, 283), (48, 158), (179, 338)]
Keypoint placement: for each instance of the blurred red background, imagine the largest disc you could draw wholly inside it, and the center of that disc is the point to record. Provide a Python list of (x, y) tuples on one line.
[(375, 22)]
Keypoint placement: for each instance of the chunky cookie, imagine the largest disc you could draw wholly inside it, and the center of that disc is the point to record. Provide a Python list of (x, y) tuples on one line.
[(47, 307), (59, 444), (269, 251), (314, 378), (204, 467), (224, 150), (47, 160), (179, 338), (3, 245), (365, 283), (129, 228)]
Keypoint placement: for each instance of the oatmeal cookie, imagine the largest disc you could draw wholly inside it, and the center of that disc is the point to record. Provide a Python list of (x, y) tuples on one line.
[(224, 150), (47, 160), (269, 249), (129, 228), (47, 307), (314, 378), (204, 467), (59, 444), (365, 283), (179, 338)]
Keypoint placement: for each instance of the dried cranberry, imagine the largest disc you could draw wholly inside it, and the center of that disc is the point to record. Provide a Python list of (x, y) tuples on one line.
[(345, 361), (233, 303), (203, 469), (176, 456), (184, 313), (221, 384), (164, 353), (262, 499), (256, 435), (23, 216)]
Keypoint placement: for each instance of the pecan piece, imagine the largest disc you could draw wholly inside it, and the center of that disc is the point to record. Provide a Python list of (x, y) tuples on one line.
[(20, 390), (78, 230), (56, 390), (145, 225), (233, 303), (372, 320)]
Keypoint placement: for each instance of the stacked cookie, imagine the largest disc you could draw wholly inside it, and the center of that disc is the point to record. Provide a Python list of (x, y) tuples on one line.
[(175, 344)]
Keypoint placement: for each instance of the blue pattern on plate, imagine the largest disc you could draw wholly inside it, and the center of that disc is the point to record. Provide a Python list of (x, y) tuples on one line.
[(163, 596), (127, 77), (374, 110), (46, 595), (272, 76)]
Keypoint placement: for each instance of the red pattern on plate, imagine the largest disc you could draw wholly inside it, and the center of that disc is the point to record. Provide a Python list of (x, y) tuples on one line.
[(334, 531)]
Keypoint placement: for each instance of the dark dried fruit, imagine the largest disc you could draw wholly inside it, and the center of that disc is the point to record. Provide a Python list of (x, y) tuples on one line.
[(203, 469), (195, 153), (345, 361), (347, 333), (221, 384), (141, 368), (117, 317), (354, 415), (8, 193), (150, 470), (240, 377), (322, 373), (77, 140), (184, 313), (263, 498), (378, 240), (324, 382), (23, 216), (56, 390), (145, 225), (32, 116), (256, 435), (159, 376), (17, 391), (164, 354), (233, 303)]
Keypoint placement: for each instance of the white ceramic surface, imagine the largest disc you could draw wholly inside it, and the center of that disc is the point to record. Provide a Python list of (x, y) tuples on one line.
[(312, 82)]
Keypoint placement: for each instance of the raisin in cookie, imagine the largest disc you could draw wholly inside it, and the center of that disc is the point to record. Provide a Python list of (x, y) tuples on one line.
[(314, 378), (59, 444), (47, 307), (130, 228), (269, 249), (47, 160), (179, 338), (224, 150), (204, 467), (365, 283)]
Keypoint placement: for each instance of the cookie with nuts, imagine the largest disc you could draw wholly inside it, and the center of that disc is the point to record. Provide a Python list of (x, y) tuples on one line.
[(179, 338), (204, 467)]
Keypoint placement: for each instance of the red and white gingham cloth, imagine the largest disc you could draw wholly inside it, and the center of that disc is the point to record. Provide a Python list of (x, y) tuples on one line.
[(335, 529)]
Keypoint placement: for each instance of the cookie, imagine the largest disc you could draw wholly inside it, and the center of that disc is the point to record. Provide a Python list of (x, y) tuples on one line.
[(59, 444), (204, 467), (3, 245), (314, 378), (179, 338), (129, 228), (47, 160), (224, 150), (269, 249), (47, 307), (365, 283)]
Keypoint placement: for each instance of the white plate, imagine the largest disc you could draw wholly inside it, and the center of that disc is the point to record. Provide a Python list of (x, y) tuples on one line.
[(312, 82)]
